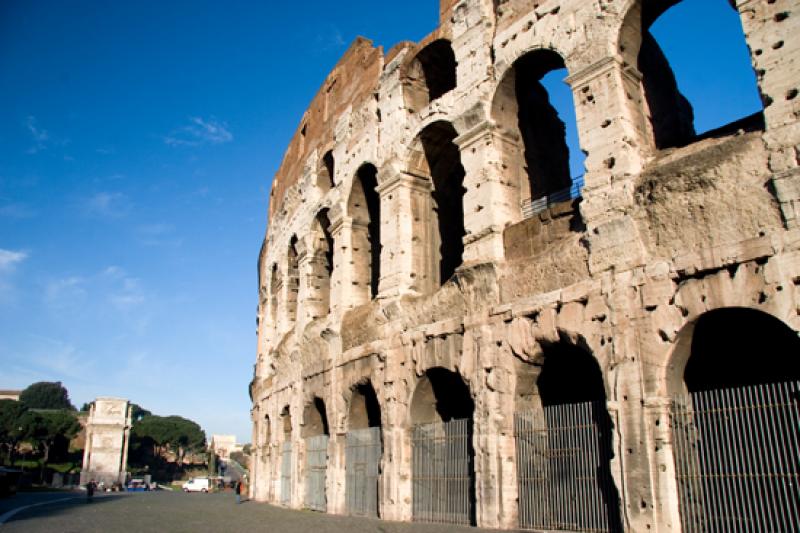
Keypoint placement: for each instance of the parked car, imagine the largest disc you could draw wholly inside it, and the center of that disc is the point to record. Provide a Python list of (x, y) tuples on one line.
[(137, 485), (197, 484)]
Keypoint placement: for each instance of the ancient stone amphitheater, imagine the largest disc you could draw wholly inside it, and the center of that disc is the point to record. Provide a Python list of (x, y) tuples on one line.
[(454, 327)]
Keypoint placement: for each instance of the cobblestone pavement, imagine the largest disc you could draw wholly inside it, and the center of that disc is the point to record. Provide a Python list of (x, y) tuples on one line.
[(178, 512)]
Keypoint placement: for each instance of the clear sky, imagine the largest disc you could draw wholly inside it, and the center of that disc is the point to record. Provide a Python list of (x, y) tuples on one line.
[(137, 145)]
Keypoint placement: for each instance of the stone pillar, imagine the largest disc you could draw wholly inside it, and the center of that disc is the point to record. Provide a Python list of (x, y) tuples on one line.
[(340, 232), (405, 259), (491, 201), (613, 132)]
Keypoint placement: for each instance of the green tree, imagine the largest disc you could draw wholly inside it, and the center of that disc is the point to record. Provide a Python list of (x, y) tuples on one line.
[(138, 412), (11, 429), (47, 428), (174, 433), (46, 395)]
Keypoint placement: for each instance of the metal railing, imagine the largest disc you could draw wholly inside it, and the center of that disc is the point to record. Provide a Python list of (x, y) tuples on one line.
[(562, 469), (532, 207), (316, 469), (442, 472), (362, 467), (286, 473), (737, 458)]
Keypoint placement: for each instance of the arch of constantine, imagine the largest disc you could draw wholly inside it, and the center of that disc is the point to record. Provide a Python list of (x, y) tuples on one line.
[(455, 326)]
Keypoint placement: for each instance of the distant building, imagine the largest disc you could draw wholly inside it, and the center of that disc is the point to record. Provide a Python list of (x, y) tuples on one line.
[(224, 445), (10, 395), (105, 455)]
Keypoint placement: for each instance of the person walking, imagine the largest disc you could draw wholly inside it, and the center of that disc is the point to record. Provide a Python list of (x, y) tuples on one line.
[(90, 490), (238, 489)]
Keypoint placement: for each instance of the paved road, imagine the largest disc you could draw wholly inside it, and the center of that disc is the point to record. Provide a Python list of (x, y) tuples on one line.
[(177, 512)]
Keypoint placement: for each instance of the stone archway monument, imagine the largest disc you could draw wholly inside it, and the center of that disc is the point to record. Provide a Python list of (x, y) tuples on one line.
[(105, 457)]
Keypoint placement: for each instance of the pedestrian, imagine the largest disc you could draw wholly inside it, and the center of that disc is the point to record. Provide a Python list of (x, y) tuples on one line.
[(90, 490), (238, 490)]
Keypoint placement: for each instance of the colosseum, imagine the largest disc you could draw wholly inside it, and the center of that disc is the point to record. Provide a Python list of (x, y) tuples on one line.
[(456, 326)]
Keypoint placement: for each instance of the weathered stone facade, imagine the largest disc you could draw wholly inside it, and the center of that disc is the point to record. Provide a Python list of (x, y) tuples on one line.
[(105, 454), (401, 241)]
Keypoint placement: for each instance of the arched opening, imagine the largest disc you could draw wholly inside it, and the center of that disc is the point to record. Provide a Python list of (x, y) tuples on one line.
[(325, 172), (695, 68), (443, 457), (293, 279), (563, 436), (364, 207), (315, 432), (363, 451), (735, 439), (286, 457), (321, 263), (440, 161), (275, 292), (266, 440), (431, 74), (535, 106)]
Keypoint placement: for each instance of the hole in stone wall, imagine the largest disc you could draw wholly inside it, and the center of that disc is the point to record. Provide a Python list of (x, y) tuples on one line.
[(698, 79), (286, 421), (274, 287), (293, 279), (364, 207), (316, 419), (322, 262), (325, 172)]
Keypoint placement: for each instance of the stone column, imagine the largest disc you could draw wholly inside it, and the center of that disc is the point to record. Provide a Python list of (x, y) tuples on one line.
[(340, 232), (613, 133), (405, 259), (491, 201)]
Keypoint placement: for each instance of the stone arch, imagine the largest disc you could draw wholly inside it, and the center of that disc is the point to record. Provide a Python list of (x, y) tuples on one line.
[(275, 285), (286, 423), (326, 177), (707, 355), (292, 279), (441, 413), (534, 130), (315, 418), (266, 435), (321, 265), (556, 396), (669, 114), (364, 409), (436, 158), (364, 208), (733, 376), (431, 74)]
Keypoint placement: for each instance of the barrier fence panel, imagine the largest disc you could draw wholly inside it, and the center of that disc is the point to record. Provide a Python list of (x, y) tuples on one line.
[(286, 473), (737, 458), (564, 481), (442, 472), (362, 466), (316, 468)]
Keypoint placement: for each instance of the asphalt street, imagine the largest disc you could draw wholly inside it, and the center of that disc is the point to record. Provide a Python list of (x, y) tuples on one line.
[(179, 512)]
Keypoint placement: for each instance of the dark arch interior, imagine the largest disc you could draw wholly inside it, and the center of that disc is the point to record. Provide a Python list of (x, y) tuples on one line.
[(569, 375), (441, 395), (286, 418), (316, 422), (365, 411), (543, 131), (439, 68), (368, 175), (572, 375), (736, 347), (447, 174), (293, 277), (325, 226), (672, 115), (327, 162)]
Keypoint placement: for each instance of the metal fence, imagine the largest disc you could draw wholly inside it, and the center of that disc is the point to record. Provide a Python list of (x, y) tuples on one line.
[(532, 207), (562, 468), (316, 468), (737, 458), (286, 473), (362, 465), (442, 472)]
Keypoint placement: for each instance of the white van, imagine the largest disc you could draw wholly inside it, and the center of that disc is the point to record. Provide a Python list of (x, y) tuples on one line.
[(197, 484)]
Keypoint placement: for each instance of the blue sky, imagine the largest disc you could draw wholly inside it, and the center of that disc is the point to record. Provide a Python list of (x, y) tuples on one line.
[(137, 145)]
